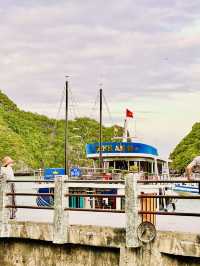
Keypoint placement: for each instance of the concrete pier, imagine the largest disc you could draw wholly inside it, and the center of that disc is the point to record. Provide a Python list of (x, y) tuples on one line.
[(31, 244), (60, 243)]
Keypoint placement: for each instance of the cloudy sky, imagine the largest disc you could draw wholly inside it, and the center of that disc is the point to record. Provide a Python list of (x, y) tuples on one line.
[(144, 52)]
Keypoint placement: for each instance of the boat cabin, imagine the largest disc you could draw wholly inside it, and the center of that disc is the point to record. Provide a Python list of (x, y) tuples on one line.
[(128, 156)]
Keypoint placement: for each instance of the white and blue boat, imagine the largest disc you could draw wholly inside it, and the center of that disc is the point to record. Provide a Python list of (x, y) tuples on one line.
[(114, 159), (126, 155), (117, 158), (187, 188)]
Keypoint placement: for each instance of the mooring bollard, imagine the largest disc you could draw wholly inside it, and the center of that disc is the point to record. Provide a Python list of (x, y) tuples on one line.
[(4, 212), (131, 210), (61, 217)]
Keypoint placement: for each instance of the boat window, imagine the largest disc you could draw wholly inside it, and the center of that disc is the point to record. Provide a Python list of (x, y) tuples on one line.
[(159, 168), (123, 165), (132, 163), (146, 167), (143, 167), (111, 164)]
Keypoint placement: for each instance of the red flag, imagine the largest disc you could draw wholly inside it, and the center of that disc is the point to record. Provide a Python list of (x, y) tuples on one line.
[(129, 113)]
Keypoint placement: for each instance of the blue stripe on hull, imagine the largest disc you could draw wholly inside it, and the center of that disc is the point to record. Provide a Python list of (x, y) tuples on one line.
[(190, 189)]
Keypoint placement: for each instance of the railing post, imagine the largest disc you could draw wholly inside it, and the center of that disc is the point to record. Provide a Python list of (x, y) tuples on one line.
[(131, 210), (4, 212), (61, 217)]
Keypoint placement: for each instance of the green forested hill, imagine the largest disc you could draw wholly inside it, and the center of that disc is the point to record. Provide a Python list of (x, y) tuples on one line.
[(36, 141), (187, 149)]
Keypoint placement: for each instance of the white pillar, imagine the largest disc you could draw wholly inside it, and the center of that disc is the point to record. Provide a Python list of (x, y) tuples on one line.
[(61, 217), (167, 165), (152, 168), (120, 191), (156, 166), (131, 211), (4, 212)]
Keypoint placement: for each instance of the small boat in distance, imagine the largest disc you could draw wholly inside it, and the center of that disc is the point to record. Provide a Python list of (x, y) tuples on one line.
[(187, 188)]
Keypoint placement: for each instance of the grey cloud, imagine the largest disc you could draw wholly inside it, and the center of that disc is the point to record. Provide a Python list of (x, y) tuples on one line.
[(134, 48)]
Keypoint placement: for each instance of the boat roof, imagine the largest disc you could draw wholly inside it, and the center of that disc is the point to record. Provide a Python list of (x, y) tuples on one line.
[(122, 150)]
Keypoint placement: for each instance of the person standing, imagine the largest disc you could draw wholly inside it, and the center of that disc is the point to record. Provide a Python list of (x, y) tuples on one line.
[(8, 174), (191, 166)]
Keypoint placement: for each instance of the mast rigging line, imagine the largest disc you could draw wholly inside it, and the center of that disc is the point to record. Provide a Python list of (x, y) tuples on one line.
[(58, 113), (53, 133), (108, 109), (94, 106), (74, 105), (74, 112)]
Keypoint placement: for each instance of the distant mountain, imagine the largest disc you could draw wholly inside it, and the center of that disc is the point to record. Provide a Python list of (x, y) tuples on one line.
[(187, 149), (36, 141)]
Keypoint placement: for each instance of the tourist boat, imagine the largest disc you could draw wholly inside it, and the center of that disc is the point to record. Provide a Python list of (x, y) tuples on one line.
[(128, 156), (111, 160)]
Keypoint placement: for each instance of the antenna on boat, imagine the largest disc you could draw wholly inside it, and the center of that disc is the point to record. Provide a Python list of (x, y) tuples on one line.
[(66, 127), (100, 129)]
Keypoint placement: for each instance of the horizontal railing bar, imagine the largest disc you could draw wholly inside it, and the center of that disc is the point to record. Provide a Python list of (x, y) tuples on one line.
[(29, 181), (171, 213), (94, 169), (167, 181), (98, 175), (94, 181), (95, 210), (95, 195), (30, 194), (167, 197), (103, 181), (105, 195), (29, 207), (24, 174)]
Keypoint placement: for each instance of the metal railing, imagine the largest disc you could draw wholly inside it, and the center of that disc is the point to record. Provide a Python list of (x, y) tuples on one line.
[(16, 194), (101, 196), (65, 188), (169, 197)]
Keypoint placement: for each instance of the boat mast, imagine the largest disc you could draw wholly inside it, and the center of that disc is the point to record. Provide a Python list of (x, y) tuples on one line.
[(100, 131), (66, 128), (125, 135)]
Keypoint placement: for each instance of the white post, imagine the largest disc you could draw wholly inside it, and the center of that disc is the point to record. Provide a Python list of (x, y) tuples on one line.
[(120, 191), (156, 166), (152, 168), (4, 212), (61, 217), (167, 166), (131, 210)]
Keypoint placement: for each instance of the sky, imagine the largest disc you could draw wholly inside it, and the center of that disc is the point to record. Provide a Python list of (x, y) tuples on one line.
[(143, 53)]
